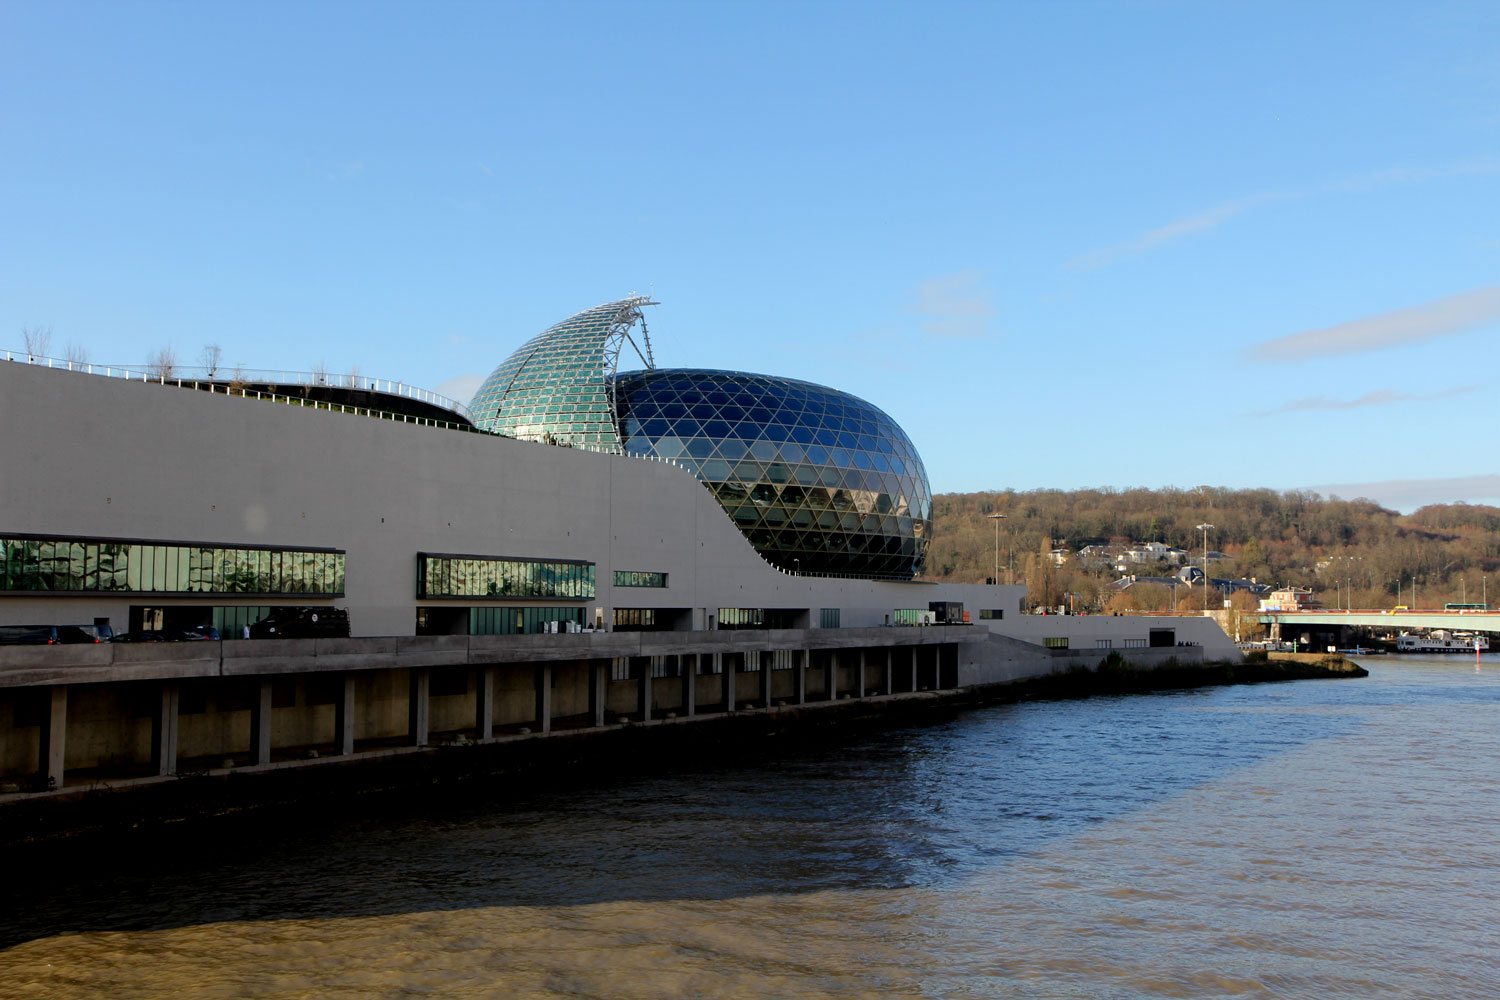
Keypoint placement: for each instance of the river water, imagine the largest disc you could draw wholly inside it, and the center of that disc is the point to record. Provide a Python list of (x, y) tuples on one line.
[(1309, 839)]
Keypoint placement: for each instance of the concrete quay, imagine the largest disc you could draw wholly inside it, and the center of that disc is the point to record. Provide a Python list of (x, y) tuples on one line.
[(77, 720)]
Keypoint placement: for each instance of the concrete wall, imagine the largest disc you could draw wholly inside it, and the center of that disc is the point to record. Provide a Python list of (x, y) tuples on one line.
[(1084, 632)]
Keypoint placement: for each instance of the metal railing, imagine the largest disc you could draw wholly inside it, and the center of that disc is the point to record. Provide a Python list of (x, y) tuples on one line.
[(188, 375)]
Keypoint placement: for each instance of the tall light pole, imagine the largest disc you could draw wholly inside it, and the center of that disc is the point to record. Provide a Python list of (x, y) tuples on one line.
[(1204, 528), (997, 518)]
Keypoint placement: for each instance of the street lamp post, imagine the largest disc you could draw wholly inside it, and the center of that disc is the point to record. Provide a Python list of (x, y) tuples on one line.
[(997, 518), (1205, 528)]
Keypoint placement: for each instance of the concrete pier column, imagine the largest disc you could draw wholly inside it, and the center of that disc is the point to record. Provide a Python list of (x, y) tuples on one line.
[(343, 715), (765, 677), (690, 684), (889, 673), (644, 700), (598, 679), (914, 668), (859, 676), (52, 741), (727, 660), (484, 702), (831, 676), (799, 660), (260, 723), (418, 707), (164, 730), (544, 698)]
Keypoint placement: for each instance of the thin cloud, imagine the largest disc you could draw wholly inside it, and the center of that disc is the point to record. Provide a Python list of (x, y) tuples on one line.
[(1380, 397), (955, 305), (1376, 179), (461, 387), (1216, 216), (1406, 495), (1177, 229), (1439, 318)]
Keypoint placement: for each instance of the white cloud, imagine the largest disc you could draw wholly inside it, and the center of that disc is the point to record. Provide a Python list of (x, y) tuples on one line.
[(1378, 397), (1454, 314), (1376, 179), (1172, 231), (1406, 495), (461, 387), (955, 305), (1217, 215)]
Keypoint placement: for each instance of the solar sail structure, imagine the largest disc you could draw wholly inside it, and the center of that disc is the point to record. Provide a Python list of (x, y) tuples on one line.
[(555, 388)]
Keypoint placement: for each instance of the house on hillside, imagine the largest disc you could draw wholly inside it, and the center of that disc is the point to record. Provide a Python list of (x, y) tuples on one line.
[(1290, 599)]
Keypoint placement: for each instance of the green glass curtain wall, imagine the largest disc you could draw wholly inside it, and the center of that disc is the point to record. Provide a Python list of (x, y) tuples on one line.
[(639, 578), (447, 575), (30, 564)]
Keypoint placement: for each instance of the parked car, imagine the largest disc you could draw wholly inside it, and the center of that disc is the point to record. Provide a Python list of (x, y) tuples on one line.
[(302, 623), (141, 635), (197, 633), (47, 635)]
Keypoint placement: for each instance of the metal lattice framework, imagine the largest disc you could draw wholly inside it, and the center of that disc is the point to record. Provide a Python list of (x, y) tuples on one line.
[(619, 335), (556, 386)]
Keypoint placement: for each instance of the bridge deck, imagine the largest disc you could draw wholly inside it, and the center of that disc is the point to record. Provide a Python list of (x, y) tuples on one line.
[(1458, 621)]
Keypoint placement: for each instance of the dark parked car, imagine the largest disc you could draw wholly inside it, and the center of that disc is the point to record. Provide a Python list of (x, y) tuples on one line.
[(197, 633), (141, 635), (302, 623), (48, 635)]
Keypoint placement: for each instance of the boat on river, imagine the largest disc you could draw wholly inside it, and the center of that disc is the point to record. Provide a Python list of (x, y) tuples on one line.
[(1441, 640)]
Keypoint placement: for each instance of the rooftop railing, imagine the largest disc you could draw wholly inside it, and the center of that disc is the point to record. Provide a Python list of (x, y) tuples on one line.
[(199, 377)]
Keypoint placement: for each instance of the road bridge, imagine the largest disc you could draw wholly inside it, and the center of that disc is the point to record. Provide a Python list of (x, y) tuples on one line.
[(1458, 621)]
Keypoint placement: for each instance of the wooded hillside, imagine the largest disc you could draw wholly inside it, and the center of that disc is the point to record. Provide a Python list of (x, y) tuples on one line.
[(1352, 553)]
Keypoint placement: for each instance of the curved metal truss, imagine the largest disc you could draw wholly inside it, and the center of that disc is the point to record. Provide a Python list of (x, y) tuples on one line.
[(615, 340)]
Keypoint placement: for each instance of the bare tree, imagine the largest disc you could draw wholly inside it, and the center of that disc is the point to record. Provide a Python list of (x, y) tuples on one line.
[(352, 377), (76, 356), (211, 358), (239, 379), (37, 340), (320, 372), (163, 363)]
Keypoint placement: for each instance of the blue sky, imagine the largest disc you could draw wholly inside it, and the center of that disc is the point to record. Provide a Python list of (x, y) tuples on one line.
[(1064, 245)]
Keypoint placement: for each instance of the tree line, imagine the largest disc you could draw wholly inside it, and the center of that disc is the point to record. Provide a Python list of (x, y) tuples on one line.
[(1351, 553)]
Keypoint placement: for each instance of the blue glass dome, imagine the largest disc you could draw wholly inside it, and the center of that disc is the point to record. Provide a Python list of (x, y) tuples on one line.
[(818, 480)]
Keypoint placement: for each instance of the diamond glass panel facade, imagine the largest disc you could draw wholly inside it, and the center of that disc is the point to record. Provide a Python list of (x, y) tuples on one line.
[(819, 481)]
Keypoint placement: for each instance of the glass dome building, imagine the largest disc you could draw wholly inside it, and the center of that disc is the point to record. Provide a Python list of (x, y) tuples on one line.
[(818, 480)]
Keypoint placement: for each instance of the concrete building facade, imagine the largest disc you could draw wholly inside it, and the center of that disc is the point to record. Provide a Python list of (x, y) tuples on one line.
[(138, 502)]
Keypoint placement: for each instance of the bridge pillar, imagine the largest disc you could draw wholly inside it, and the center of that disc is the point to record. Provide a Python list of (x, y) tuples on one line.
[(343, 716), (544, 698), (164, 730), (484, 702), (727, 661), (260, 723), (644, 698), (52, 740), (418, 707), (598, 688)]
